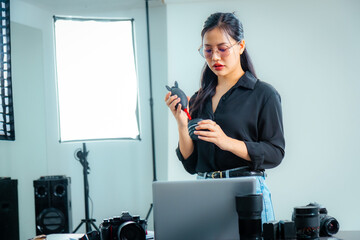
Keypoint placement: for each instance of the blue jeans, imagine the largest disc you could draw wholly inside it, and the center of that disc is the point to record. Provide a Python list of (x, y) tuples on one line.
[(268, 211), (261, 188)]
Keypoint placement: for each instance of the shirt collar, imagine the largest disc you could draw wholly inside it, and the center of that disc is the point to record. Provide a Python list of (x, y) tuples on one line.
[(247, 81)]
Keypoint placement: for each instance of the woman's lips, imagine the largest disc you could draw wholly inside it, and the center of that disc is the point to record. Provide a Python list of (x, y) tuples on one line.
[(218, 66)]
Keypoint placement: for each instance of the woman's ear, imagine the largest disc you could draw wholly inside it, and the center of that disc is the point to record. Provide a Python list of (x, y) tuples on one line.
[(242, 46)]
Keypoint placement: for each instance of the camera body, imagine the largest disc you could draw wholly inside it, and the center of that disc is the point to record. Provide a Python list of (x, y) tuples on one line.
[(308, 222), (328, 225), (123, 227)]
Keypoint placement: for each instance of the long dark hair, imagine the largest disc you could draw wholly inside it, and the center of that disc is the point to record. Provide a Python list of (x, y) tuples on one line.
[(230, 24)]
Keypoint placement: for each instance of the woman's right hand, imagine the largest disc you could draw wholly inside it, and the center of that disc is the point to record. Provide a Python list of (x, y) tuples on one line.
[(180, 116)]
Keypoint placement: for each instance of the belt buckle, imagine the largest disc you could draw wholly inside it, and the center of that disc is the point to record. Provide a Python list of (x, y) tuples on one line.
[(213, 174)]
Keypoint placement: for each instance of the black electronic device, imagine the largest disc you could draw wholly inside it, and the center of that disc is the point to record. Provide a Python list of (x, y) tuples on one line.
[(249, 208), (52, 205), (307, 222), (124, 227), (282, 229), (287, 229), (271, 230), (9, 210), (313, 213), (328, 225)]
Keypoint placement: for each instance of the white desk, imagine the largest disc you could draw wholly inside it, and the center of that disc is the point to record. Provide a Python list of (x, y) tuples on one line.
[(77, 236), (64, 236)]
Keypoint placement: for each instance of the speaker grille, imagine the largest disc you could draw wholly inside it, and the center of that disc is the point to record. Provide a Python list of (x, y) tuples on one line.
[(40, 191), (51, 220), (59, 190)]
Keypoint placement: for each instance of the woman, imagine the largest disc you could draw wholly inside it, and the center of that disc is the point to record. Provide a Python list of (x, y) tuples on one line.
[(242, 134)]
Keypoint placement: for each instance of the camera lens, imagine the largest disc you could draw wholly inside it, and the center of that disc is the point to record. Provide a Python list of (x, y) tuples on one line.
[(307, 222), (131, 231), (329, 226), (249, 208), (191, 127)]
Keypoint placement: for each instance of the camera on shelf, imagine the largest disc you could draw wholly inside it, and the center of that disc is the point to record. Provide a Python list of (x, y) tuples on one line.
[(124, 227)]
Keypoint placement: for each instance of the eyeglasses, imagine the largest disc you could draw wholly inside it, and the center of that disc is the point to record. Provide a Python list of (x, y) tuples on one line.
[(207, 52)]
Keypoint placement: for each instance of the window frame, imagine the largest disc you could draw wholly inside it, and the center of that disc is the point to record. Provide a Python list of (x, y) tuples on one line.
[(7, 125)]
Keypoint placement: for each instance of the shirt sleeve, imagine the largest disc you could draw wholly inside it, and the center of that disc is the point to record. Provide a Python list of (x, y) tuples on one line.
[(269, 150), (189, 163)]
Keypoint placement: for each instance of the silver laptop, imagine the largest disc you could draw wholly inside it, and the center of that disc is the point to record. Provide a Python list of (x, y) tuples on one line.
[(198, 209)]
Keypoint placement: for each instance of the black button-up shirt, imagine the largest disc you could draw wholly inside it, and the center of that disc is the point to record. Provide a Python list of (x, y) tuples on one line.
[(251, 112)]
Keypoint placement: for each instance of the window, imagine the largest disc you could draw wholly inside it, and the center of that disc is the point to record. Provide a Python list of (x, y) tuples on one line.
[(7, 131), (96, 79)]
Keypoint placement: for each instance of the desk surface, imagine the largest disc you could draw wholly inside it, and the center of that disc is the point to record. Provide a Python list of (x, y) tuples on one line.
[(344, 235), (347, 235), (63, 236), (77, 236)]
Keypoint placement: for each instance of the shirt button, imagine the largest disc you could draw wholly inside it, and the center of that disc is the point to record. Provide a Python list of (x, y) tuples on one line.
[(223, 98)]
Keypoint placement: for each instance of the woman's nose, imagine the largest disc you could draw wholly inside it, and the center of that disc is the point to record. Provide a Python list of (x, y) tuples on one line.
[(215, 55)]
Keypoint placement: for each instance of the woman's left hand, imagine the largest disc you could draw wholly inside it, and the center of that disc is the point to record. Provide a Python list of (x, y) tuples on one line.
[(214, 134)]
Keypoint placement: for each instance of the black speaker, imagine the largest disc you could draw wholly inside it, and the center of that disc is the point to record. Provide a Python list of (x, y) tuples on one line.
[(53, 205), (9, 211)]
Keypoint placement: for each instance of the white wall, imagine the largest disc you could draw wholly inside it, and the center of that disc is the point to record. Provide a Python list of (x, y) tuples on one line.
[(28, 150), (159, 66), (308, 50), (121, 171)]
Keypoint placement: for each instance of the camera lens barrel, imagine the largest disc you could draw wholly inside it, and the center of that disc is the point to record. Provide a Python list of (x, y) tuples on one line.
[(191, 128), (131, 231), (328, 225), (249, 208), (307, 222)]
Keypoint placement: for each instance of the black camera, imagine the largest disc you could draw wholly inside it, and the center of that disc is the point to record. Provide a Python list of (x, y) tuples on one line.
[(124, 227), (328, 225)]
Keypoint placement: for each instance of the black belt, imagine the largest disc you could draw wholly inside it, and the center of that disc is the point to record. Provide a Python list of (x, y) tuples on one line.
[(237, 172)]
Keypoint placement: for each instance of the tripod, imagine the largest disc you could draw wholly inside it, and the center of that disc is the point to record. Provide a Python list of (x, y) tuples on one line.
[(82, 157)]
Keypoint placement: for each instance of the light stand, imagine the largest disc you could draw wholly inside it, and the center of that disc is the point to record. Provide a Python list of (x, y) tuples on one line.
[(82, 157), (151, 98)]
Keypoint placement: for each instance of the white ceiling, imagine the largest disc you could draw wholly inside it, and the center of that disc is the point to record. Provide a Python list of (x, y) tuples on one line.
[(93, 4)]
